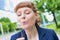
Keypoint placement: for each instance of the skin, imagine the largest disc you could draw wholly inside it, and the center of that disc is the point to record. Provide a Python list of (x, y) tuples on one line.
[(26, 18)]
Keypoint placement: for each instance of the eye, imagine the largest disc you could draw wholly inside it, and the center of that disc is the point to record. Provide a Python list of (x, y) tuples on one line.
[(18, 15), (27, 13)]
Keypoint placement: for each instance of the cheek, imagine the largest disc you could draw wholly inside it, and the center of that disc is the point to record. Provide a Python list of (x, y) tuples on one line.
[(31, 19)]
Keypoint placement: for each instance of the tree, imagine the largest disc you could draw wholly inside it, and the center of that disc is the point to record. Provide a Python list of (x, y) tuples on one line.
[(12, 26), (51, 5), (4, 19), (39, 4)]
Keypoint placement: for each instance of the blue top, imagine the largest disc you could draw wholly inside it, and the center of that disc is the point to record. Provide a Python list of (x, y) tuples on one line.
[(44, 34)]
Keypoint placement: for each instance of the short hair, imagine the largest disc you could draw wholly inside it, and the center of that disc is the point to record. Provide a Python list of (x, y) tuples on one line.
[(26, 4)]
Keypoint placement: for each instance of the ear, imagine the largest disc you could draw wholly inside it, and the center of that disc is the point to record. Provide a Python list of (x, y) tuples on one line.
[(36, 14)]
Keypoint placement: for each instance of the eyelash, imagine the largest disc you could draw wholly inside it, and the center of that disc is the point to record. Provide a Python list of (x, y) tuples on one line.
[(19, 15), (27, 13)]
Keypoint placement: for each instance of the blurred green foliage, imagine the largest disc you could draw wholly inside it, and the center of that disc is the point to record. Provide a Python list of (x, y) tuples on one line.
[(53, 26), (12, 27), (50, 5), (7, 25), (5, 19)]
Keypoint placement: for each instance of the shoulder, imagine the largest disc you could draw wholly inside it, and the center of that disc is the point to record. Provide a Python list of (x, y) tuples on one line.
[(48, 30), (49, 33), (45, 30), (17, 35)]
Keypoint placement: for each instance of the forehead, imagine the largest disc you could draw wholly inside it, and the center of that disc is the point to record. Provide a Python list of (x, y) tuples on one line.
[(24, 9)]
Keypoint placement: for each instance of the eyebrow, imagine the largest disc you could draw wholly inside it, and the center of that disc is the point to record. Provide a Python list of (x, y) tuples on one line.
[(26, 10)]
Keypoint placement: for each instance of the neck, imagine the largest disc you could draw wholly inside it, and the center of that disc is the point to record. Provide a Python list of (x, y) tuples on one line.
[(31, 32)]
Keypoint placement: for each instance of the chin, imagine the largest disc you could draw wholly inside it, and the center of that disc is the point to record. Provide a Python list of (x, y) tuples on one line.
[(25, 27)]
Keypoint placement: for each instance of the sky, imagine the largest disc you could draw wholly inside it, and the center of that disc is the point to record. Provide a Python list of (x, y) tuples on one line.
[(11, 16)]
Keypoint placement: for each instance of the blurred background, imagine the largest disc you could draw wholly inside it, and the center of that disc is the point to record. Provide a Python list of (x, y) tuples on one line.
[(49, 12)]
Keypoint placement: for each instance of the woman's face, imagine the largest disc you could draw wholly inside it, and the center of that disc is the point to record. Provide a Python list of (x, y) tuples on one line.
[(26, 17)]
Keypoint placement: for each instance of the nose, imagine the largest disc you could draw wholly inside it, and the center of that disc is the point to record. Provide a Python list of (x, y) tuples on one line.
[(23, 16)]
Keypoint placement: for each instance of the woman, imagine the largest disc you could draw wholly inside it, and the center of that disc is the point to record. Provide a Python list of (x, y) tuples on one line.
[(27, 16)]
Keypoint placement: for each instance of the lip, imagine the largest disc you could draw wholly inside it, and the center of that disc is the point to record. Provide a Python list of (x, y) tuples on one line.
[(24, 23)]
